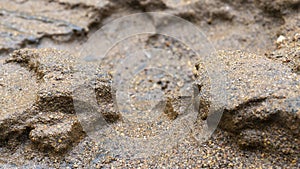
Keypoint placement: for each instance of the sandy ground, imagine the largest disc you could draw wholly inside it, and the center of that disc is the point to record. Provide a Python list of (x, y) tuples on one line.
[(258, 42)]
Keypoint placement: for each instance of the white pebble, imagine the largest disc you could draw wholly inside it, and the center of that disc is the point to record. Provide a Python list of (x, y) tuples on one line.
[(280, 39)]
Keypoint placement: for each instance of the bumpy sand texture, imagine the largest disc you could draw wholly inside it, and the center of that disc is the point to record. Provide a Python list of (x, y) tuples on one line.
[(39, 127), (259, 110)]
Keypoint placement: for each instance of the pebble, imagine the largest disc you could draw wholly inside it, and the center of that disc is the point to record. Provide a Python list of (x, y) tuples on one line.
[(281, 39)]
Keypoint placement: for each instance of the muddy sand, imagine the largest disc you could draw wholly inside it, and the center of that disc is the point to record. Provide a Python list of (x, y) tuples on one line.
[(44, 92)]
